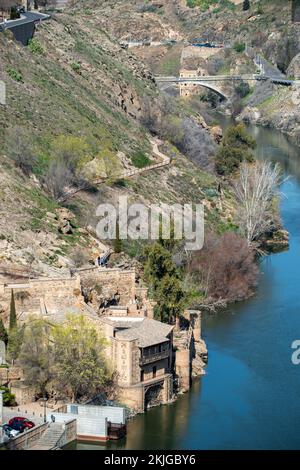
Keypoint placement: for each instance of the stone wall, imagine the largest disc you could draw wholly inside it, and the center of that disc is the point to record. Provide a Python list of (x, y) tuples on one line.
[(28, 438), (133, 397), (41, 296), (23, 393), (112, 282), (183, 369), (10, 374)]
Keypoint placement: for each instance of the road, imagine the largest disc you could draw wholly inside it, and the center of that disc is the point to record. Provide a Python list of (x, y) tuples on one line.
[(220, 78), (27, 17)]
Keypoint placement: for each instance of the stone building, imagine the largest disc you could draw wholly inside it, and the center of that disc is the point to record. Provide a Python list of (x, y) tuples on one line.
[(187, 89), (148, 356), (141, 352)]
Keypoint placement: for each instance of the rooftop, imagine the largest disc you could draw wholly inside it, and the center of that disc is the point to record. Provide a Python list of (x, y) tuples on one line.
[(146, 331)]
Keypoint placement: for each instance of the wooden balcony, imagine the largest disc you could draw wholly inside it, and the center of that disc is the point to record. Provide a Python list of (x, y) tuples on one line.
[(149, 358)]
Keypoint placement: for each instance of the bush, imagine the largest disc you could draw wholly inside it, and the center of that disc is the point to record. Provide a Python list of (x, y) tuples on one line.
[(15, 75), (20, 148), (242, 89), (76, 67), (140, 159), (35, 47), (9, 398), (239, 47), (237, 146), (225, 267)]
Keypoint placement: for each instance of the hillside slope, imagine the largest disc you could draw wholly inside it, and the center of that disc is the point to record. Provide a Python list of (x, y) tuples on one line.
[(76, 81)]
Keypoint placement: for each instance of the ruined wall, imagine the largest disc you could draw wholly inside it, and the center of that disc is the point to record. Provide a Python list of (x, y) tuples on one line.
[(23, 393), (41, 296), (183, 369), (112, 282)]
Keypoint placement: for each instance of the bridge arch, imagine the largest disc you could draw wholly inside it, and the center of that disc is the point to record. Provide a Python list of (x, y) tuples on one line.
[(165, 84), (207, 85)]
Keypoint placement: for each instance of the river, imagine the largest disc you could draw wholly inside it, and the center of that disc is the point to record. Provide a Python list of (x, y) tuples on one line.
[(249, 397)]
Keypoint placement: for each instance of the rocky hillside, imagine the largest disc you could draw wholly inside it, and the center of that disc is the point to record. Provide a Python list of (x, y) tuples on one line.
[(266, 29), (74, 80)]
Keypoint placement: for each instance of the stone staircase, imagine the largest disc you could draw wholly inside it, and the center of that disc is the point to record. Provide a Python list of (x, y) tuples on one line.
[(49, 440)]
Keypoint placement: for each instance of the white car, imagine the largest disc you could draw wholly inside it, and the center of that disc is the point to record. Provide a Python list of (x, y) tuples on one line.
[(9, 432)]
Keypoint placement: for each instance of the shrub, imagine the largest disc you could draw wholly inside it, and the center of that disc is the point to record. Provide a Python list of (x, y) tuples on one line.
[(8, 397), (15, 75), (242, 89), (140, 159), (237, 146), (35, 47), (239, 47), (20, 149), (225, 267), (76, 67)]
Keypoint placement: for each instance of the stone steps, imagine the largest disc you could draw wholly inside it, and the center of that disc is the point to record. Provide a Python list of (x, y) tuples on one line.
[(50, 437)]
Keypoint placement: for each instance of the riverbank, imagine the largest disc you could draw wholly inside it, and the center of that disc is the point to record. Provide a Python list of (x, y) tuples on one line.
[(248, 398), (278, 109)]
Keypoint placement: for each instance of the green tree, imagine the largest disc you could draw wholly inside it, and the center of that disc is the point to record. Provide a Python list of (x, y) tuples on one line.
[(237, 146), (80, 365), (117, 244), (164, 280), (3, 332), (72, 152), (36, 354), (9, 398), (15, 340), (12, 313)]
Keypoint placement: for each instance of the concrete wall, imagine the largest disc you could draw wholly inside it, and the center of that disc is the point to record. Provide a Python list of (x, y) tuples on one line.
[(133, 397), (87, 426), (125, 358), (114, 414), (23, 33)]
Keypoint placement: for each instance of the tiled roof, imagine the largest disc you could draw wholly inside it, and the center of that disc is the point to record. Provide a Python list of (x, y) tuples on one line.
[(147, 332)]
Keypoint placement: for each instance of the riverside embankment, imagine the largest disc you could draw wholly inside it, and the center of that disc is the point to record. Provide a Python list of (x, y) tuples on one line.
[(249, 398)]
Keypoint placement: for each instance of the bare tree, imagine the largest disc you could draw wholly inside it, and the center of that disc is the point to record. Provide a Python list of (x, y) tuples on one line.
[(58, 180), (225, 269), (255, 190), (20, 148)]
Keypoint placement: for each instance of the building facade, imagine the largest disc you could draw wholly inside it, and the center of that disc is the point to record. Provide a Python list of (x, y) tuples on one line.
[(141, 353)]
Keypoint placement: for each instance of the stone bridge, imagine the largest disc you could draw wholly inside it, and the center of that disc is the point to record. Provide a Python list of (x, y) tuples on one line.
[(217, 83)]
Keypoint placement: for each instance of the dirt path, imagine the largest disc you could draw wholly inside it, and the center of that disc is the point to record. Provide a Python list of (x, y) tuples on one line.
[(129, 173)]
